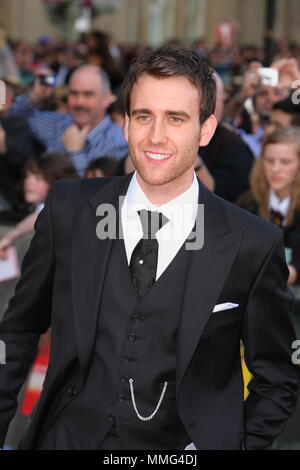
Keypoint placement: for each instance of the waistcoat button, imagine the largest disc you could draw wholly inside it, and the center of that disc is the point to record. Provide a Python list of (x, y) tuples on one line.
[(132, 336), (72, 391), (136, 317)]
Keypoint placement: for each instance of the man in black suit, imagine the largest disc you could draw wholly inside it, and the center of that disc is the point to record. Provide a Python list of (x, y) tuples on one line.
[(147, 300)]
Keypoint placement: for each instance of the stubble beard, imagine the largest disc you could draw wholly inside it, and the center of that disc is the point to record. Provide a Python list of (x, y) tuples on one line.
[(168, 176)]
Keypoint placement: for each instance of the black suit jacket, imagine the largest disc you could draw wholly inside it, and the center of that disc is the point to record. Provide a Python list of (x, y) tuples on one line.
[(229, 160), (241, 262)]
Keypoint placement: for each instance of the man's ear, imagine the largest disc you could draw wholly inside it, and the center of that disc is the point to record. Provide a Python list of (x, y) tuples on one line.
[(126, 126), (208, 130), (108, 99)]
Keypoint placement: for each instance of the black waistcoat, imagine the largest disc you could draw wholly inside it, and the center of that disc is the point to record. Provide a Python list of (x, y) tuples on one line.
[(135, 340)]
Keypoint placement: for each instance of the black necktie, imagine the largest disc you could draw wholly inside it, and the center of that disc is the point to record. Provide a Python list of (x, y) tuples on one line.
[(276, 218), (143, 262)]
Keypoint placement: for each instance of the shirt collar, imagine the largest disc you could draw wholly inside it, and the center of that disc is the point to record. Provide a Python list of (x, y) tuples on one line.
[(277, 205), (136, 200)]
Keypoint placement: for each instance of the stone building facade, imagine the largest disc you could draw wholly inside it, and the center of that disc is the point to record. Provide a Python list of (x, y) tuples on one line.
[(155, 21)]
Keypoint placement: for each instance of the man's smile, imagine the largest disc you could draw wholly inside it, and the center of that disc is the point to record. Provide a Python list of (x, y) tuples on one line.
[(157, 157)]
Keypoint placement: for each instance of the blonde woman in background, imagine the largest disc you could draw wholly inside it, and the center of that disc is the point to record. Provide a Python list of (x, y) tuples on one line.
[(274, 193)]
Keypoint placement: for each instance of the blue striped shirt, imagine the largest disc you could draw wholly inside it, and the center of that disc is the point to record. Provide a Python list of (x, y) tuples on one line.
[(106, 139)]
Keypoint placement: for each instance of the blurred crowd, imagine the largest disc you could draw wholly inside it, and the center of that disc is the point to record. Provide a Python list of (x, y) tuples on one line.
[(64, 117)]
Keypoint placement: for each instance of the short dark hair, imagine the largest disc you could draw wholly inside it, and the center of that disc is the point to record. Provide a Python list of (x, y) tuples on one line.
[(108, 165), (169, 61), (52, 166)]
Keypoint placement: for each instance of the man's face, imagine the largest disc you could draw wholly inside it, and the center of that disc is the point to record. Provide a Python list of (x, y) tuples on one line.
[(164, 132), (87, 101), (278, 119), (266, 97)]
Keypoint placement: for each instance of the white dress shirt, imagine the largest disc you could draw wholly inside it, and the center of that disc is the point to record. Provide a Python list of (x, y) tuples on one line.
[(39, 207), (181, 213), (281, 206)]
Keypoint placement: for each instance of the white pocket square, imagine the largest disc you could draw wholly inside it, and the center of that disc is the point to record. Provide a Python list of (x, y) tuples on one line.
[(191, 446), (226, 306)]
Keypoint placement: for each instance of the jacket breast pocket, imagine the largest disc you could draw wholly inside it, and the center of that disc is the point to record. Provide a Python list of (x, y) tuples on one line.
[(224, 317)]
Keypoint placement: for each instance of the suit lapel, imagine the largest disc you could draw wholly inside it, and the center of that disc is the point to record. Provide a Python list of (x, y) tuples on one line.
[(207, 273), (89, 263)]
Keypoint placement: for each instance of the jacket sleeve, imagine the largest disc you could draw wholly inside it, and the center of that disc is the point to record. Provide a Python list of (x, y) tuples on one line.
[(268, 336), (291, 238), (27, 317)]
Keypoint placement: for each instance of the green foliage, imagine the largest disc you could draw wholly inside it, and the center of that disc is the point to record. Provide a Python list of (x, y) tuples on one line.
[(59, 11)]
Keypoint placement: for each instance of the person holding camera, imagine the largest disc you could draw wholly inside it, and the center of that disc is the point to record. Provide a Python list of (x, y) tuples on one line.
[(86, 132), (252, 106)]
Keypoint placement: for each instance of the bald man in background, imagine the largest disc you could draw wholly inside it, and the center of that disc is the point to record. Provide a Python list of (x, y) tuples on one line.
[(87, 131)]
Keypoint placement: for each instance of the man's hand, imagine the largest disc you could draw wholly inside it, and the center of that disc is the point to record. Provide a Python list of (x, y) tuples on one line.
[(251, 80), (5, 243), (40, 93), (2, 140), (73, 138), (289, 71), (293, 275)]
